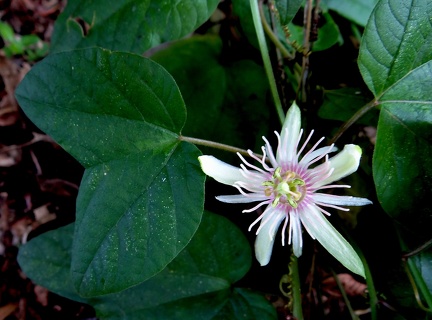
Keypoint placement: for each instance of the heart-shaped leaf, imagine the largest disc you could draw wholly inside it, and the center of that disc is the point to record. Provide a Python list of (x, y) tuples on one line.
[(395, 61), (141, 197), (127, 25), (197, 284)]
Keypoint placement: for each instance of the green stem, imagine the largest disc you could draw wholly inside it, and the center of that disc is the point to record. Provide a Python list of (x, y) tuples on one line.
[(344, 296), (368, 106), (217, 145), (373, 296), (266, 59), (296, 289), (273, 37)]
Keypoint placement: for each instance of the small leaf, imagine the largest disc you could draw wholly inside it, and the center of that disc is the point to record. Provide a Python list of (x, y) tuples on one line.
[(287, 9), (141, 197), (127, 25), (342, 104), (328, 34), (357, 11)]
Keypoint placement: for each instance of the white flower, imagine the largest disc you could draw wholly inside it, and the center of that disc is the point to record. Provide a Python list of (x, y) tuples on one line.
[(289, 188)]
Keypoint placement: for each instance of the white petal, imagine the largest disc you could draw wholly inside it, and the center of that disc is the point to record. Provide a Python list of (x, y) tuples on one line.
[(266, 237), (331, 239), (289, 135), (344, 163), (341, 200), (239, 198), (295, 228), (220, 171)]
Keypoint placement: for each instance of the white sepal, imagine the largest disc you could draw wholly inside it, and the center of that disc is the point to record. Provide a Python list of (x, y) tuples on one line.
[(340, 200), (343, 164), (322, 230), (267, 233), (220, 171)]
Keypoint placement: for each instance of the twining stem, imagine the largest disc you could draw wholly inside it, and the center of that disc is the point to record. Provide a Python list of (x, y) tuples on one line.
[(272, 36), (344, 296), (368, 106), (424, 246), (266, 59), (373, 296), (307, 21), (217, 145)]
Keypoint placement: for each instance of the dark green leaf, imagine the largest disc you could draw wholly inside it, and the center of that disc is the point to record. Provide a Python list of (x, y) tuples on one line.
[(423, 262), (195, 285), (396, 40), (354, 10), (287, 9), (127, 25), (342, 104), (46, 259), (395, 63), (141, 197), (402, 165)]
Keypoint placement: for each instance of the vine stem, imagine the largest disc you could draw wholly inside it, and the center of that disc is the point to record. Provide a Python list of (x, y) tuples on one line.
[(266, 59), (285, 53), (296, 289), (217, 145), (368, 106)]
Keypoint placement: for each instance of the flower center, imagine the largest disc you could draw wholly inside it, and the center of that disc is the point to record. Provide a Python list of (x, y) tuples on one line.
[(287, 188)]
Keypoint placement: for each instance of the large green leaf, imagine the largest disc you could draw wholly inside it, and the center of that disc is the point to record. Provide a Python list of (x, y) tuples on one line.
[(397, 40), (197, 284), (395, 61), (127, 25), (141, 197), (402, 165)]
